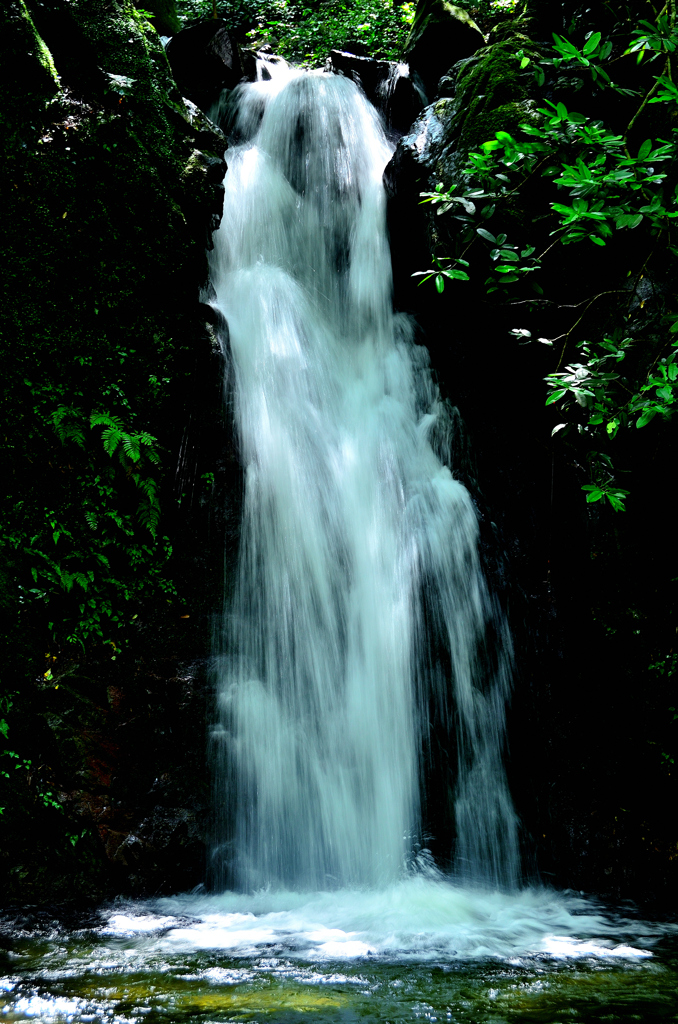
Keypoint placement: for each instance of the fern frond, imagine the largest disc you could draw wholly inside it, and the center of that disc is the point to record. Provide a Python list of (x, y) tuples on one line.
[(79, 577), (66, 580), (104, 419), (64, 421), (149, 442), (149, 516), (132, 445), (111, 437)]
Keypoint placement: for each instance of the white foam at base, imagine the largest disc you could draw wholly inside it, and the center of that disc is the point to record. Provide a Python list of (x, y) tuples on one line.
[(418, 918)]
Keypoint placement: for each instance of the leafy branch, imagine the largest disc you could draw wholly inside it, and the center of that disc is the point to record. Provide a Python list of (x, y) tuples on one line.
[(605, 190)]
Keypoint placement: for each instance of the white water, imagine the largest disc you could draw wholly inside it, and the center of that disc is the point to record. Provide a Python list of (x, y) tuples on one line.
[(416, 919), (360, 612)]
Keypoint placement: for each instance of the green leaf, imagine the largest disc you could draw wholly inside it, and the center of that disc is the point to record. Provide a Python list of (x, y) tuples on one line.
[(440, 283), (597, 240), (484, 233), (645, 417), (645, 149), (594, 493), (629, 220), (555, 396), (565, 47), (591, 43), (524, 62), (617, 501)]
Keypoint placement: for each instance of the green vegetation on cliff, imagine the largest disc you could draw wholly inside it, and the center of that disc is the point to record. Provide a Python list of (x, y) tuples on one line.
[(538, 177), (112, 184)]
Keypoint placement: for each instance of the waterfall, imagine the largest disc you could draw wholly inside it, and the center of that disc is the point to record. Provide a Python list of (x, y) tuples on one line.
[(360, 612)]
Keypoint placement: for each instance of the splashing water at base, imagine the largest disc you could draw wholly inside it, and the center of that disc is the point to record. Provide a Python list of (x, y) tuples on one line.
[(421, 949), (416, 919), (360, 610)]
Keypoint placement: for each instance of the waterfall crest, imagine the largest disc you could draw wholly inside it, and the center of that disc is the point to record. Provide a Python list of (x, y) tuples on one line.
[(357, 543)]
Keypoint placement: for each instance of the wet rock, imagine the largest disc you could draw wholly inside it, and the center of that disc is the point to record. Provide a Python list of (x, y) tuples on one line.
[(387, 85), (404, 99), (481, 94), (441, 35), (205, 61), (366, 72)]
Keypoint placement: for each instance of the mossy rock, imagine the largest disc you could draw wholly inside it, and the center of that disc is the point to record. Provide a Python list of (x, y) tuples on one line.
[(482, 94), (490, 85)]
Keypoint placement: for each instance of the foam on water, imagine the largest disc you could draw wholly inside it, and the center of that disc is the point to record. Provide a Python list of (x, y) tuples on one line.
[(415, 919)]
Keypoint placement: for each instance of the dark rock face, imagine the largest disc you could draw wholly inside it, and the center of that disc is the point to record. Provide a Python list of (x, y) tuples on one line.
[(441, 35), (205, 60), (387, 85), (365, 71)]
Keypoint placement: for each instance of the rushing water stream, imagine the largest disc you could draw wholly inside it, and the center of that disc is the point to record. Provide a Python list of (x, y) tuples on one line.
[(360, 623)]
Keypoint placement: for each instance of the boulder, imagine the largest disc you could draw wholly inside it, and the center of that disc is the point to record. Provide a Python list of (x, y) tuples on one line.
[(386, 84), (366, 72), (441, 35), (403, 98), (205, 60)]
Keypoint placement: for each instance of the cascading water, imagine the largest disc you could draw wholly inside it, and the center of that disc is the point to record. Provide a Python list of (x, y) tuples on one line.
[(359, 604)]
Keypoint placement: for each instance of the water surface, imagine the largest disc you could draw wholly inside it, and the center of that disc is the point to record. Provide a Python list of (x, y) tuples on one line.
[(422, 950)]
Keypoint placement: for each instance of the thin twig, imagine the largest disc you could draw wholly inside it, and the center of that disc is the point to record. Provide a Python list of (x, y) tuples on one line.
[(554, 242), (568, 305), (614, 291), (650, 94)]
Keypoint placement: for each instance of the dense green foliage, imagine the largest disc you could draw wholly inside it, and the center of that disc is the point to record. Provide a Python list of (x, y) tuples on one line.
[(304, 33), (108, 208), (593, 190)]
